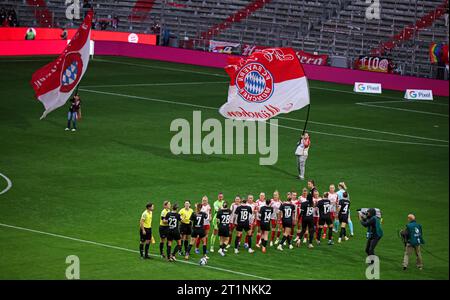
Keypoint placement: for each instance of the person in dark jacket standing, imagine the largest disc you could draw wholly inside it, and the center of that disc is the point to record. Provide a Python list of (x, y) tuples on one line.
[(74, 113), (413, 238), (374, 231)]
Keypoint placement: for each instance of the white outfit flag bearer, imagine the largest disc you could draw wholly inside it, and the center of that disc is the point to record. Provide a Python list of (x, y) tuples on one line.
[(265, 84), (54, 83)]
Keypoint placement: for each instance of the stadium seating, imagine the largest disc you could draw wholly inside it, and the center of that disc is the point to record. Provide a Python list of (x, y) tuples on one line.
[(333, 27)]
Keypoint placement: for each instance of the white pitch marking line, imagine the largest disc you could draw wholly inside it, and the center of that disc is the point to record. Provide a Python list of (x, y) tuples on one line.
[(215, 108), (226, 76), (148, 99), (123, 249), (160, 68), (363, 138), (368, 130), (8, 182), (154, 84), (407, 101), (368, 104)]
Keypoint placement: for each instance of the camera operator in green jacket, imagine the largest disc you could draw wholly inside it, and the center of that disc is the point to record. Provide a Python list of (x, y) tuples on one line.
[(374, 231)]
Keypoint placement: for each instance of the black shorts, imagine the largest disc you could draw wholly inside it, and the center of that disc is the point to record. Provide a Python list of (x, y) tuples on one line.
[(287, 224), (198, 233), (224, 231), (343, 219), (147, 236), (173, 235), (163, 230), (308, 223), (325, 220), (265, 226), (185, 229), (242, 227)]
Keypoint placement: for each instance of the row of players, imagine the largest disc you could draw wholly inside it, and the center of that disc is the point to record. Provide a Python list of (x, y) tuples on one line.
[(310, 211)]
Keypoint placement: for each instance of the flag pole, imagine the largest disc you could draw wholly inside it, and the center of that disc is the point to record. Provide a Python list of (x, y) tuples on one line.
[(307, 118)]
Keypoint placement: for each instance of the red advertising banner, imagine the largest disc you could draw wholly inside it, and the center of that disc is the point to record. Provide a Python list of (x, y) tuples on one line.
[(305, 57), (40, 47), (312, 59), (374, 64), (18, 34)]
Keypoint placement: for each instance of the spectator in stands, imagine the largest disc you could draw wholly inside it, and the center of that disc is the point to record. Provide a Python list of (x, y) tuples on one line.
[(103, 25), (12, 18), (155, 28), (115, 22), (87, 4), (8, 17), (64, 34), (165, 37), (2, 15), (30, 35)]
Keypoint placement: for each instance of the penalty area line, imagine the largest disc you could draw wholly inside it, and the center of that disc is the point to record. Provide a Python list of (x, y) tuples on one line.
[(124, 249), (370, 104), (8, 184), (153, 84)]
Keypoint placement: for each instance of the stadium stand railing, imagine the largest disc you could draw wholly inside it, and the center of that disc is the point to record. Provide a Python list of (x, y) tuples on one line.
[(333, 27)]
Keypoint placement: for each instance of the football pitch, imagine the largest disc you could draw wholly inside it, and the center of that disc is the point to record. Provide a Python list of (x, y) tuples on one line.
[(82, 193)]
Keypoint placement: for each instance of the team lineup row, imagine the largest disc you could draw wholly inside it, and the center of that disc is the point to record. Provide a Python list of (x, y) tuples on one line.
[(310, 213)]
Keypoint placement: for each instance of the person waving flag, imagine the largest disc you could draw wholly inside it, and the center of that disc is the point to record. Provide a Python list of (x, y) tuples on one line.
[(54, 83), (264, 85)]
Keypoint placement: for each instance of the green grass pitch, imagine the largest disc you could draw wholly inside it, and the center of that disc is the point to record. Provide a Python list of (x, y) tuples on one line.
[(82, 193)]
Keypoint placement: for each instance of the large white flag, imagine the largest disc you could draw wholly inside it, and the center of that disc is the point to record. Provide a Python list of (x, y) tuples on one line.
[(54, 83), (265, 84)]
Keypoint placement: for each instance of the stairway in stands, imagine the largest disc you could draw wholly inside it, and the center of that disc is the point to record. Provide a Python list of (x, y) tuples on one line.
[(42, 14)]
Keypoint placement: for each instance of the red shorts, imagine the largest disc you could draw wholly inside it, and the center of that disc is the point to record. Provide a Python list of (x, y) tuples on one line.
[(274, 223), (316, 220), (232, 226), (333, 215), (257, 223), (206, 227)]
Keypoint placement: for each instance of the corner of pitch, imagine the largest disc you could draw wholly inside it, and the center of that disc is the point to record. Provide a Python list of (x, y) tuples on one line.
[(235, 137)]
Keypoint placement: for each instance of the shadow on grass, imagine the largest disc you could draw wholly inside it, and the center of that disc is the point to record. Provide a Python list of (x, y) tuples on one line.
[(165, 153), (286, 174)]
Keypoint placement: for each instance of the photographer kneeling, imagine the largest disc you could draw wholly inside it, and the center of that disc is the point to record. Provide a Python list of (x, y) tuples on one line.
[(370, 220)]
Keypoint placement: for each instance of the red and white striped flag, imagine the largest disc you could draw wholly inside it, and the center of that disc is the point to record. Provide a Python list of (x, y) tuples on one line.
[(265, 84), (54, 83)]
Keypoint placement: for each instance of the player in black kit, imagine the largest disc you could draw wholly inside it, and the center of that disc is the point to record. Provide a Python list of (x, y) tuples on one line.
[(173, 234), (223, 221), (243, 213), (198, 220), (324, 206), (287, 215), (265, 212), (307, 213), (343, 211)]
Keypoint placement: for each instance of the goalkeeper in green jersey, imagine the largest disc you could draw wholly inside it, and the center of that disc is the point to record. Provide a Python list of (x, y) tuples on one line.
[(217, 205)]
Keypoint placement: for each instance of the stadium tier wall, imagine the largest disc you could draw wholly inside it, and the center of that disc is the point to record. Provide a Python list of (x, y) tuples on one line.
[(332, 27)]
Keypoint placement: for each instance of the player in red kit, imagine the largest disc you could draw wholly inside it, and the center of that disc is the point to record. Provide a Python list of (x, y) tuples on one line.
[(276, 226), (233, 224)]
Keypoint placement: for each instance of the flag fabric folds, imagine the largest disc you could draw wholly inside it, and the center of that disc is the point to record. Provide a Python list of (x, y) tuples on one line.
[(438, 53), (264, 85), (54, 83)]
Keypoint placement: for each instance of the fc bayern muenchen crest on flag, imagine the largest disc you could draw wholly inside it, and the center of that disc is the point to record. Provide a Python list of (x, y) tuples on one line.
[(265, 84), (54, 83)]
